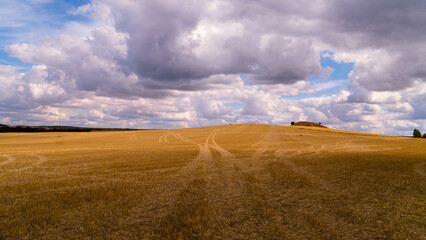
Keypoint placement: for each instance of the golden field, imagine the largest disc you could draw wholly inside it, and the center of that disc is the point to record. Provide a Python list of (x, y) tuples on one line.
[(221, 182)]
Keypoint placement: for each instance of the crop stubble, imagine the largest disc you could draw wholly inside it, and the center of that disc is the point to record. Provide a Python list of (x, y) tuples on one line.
[(222, 182)]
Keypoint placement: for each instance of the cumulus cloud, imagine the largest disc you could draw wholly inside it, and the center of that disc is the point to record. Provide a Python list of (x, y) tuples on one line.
[(173, 64), (86, 9)]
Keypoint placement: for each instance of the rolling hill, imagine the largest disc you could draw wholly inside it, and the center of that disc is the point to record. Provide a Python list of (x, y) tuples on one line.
[(221, 182)]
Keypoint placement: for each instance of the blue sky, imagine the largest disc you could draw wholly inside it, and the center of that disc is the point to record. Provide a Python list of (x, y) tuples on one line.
[(6, 60), (340, 74), (20, 17), (29, 21)]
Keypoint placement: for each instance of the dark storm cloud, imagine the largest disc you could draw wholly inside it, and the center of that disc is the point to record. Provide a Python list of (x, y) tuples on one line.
[(161, 47), (392, 31), (183, 45), (380, 22), (276, 39), (154, 28)]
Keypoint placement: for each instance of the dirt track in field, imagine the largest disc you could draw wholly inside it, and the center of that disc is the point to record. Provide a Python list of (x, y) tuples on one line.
[(223, 182)]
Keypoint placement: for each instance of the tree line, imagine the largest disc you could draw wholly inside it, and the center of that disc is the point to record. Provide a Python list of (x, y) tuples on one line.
[(6, 128), (418, 134)]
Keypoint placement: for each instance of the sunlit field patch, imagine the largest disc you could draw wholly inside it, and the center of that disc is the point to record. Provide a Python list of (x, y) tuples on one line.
[(221, 182)]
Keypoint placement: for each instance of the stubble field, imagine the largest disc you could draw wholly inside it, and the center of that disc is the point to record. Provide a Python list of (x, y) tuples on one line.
[(221, 182)]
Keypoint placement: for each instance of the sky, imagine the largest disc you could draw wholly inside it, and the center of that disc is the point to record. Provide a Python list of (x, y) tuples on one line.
[(356, 65)]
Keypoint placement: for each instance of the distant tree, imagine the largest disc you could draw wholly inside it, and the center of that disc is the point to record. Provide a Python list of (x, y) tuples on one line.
[(292, 123), (320, 123), (424, 135), (417, 133)]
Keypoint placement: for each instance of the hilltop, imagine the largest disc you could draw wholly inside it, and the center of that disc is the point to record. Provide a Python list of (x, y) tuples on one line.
[(308, 124)]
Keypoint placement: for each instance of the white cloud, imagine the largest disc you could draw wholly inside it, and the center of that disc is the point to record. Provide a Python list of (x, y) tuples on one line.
[(157, 64), (82, 10)]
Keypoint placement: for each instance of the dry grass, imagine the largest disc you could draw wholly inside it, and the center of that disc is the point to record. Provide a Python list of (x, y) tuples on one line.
[(223, 182)]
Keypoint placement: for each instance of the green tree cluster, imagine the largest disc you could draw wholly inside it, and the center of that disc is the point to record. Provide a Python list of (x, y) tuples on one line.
[(417, 133)]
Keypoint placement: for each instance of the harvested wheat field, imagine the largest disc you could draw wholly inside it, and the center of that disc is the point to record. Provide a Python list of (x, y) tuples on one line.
[(221, 182)]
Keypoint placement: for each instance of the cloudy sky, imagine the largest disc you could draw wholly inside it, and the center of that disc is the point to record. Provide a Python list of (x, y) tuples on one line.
[(349, 64)]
